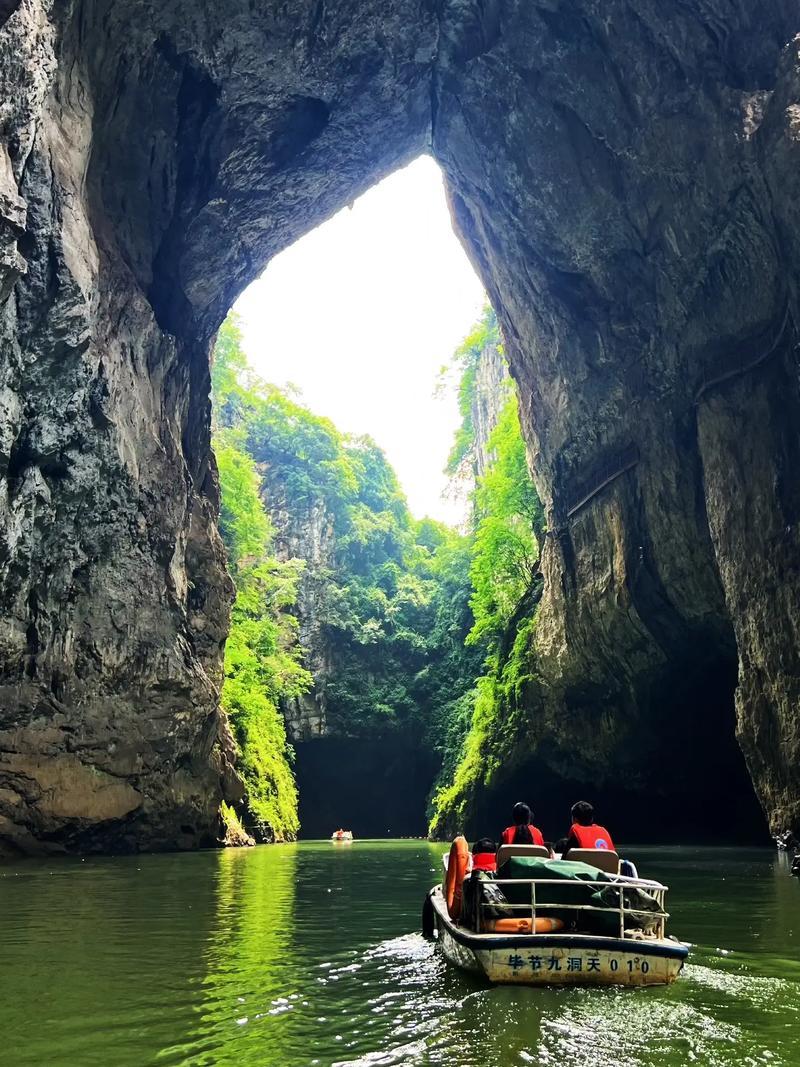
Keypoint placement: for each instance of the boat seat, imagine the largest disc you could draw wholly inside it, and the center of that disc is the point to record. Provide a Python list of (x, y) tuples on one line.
[(605, 859), (505, 852)]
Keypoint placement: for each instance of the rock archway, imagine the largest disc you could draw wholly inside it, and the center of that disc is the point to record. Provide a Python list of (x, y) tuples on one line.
[(625, 178)]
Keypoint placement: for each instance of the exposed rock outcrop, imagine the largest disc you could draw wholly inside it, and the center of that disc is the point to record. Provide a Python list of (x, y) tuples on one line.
[(625, 176), (491, 392), (633, 214), (308, 536)]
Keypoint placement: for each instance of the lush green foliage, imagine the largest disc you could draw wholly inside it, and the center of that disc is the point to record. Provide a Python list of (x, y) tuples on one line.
[(465, 363), (426, 628), (385, 599), (508, 519), (262, 658), (508, 514)]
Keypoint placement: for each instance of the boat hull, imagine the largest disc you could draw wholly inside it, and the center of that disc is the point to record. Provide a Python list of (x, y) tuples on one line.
[(558, 959)]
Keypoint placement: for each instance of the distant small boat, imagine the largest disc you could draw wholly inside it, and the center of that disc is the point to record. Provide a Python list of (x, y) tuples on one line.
[(342, 835)]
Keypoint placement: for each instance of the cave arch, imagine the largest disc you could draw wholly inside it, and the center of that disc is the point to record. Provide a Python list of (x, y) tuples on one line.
[(626, 187)]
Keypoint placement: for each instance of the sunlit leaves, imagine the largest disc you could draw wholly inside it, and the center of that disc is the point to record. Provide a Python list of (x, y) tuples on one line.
[(507, 511), (262, 658)]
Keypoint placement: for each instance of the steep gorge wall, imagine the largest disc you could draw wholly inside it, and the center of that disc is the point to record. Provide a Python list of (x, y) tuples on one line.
[(639, 244), (307, 534), (490, 393), (153, 158), (625, 177)]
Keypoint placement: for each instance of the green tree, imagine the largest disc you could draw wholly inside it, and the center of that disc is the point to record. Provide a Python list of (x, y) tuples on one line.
[(508, 514), (428, 629), (465, 361), (262, 658)]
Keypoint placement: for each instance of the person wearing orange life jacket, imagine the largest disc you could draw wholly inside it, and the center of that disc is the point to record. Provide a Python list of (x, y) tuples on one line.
[(523, 832), (585, 832)]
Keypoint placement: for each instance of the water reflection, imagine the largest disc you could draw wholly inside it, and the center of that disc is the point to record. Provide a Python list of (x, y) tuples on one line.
[(93, 954), (251, 983)]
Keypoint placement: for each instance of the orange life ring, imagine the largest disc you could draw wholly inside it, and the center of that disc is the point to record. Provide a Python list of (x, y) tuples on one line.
[(456, 873), (543, 925)]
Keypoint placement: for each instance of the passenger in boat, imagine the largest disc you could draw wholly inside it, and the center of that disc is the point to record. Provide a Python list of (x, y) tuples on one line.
[(523, 832), (585, 832), (560, 847), (484, 855), (484, 865)]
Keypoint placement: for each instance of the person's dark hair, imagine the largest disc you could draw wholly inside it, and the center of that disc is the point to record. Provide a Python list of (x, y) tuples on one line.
[(484, 844), (561, 846), (521, 814), (583, 813)]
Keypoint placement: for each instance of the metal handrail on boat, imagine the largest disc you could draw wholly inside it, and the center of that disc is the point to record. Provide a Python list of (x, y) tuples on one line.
[(653, 889)]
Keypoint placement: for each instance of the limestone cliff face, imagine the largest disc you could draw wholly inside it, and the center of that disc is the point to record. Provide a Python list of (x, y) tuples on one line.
[(625, 176), (491, 378), (152, 158), (306, 534), (113, 590), (638, 242)]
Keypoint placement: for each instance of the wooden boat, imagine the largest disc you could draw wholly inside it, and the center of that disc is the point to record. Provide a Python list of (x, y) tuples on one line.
[(342, 835), (636, 957)]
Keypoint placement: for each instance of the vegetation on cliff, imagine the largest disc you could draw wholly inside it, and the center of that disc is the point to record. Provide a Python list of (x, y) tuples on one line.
[(503, 551), (262, 657), (465, 362), (393, 600), (428, 629)]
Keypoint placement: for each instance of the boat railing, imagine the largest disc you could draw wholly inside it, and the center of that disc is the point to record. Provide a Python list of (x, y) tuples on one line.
[(655, 890)]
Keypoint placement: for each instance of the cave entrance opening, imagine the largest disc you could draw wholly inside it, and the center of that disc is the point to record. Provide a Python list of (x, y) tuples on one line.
[(353, 323)]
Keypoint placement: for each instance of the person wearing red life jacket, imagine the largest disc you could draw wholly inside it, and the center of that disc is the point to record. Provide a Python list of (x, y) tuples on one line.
[(484, 855), (484, 866), (523, 832), (585, 832)]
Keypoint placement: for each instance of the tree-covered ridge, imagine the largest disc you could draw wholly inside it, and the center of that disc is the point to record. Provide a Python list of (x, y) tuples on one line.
[(262, 659), (393, 597), (428, 630)]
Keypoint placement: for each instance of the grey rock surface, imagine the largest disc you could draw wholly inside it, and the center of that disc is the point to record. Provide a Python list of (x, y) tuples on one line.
[(305, 533), (491, 378), (624, 175)]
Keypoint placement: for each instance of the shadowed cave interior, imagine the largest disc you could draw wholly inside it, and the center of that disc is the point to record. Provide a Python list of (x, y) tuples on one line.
[(691, 786), (697, 791)]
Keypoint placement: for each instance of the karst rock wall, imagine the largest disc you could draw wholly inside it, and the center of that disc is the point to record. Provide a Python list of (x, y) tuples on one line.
[(491, 393), (633, 208), (624, 175), (305, 531)]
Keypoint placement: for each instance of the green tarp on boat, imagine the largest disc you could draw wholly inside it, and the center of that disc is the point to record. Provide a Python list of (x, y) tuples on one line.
[(570, 890)]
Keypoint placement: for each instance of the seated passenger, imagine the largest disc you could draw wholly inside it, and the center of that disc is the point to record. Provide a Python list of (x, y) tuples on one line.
[(523, 832), (585, 832), (560, 847), (479, 886), (484, 855)]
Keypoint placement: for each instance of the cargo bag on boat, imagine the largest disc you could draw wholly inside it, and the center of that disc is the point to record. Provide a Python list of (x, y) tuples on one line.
[(641, 910), (569, 889), (492, 896)]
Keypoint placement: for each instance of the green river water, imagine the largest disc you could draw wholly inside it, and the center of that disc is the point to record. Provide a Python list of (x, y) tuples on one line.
[(310, 954)]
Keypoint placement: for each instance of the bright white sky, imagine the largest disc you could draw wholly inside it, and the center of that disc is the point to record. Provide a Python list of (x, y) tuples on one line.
[(361, 313)]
